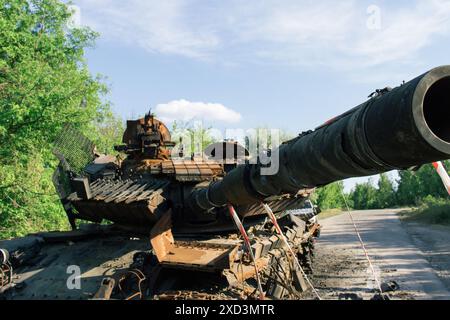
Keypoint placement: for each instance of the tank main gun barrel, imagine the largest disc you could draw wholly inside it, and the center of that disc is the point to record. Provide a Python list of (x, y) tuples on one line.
[(396, 129)]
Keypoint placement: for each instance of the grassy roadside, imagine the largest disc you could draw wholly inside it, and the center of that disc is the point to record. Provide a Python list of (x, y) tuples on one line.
[(431, 211), (330, 213)]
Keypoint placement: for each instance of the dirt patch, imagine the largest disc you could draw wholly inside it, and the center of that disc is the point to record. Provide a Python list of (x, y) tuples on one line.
[(434, 242), (343, 274)]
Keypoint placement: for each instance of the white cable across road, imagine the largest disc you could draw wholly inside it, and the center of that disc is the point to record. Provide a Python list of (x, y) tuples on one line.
[(366, 253)]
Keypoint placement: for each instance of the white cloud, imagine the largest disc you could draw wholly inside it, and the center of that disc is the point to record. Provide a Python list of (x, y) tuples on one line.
[(293, 32), (186, 111), (404, 32), (335, 34), (157, 26)]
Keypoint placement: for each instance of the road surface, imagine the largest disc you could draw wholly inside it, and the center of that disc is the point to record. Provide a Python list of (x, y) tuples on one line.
[(415, 256)]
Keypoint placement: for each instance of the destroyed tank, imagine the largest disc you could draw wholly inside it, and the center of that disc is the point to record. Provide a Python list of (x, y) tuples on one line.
[(187, 206)]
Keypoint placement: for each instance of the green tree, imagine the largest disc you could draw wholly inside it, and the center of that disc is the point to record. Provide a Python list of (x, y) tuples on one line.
[(330, 196), (195, 138), (385, 196), (408, 186), (413, 186), (44, 83), (364, 196)]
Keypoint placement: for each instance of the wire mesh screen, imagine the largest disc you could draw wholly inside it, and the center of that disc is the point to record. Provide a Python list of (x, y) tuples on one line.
[(73, 149)]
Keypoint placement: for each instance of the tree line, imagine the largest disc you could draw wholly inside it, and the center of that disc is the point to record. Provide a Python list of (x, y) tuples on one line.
[(411, 188)]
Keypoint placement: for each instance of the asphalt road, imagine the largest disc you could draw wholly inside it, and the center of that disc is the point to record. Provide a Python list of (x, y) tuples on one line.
[(417, 257)]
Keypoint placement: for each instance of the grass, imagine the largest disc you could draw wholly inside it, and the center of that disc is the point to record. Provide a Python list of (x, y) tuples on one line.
[(330, 213), (431, 211)]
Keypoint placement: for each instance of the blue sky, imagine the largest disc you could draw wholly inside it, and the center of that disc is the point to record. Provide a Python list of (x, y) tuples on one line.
[(283, 64)]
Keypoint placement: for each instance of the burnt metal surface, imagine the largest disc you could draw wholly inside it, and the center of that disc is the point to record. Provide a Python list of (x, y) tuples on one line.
[(117, 265), (190, 255), (6, 270), (106, 289), (232, 271), (192, 170), (130, 202)]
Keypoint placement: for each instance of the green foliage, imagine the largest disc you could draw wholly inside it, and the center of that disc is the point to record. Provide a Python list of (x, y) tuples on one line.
[(413, 188), (27, 199), (431, 210), (364, 196), (416, 185), (106, 132), (330, 196), (385, 196), (44, 83), (195, 138), (423, 187)]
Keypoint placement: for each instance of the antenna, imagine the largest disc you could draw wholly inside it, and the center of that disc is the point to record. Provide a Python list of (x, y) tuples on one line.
[(150, 113)]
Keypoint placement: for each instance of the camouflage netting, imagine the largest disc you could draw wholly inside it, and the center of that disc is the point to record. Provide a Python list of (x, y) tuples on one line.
[(73, 149)]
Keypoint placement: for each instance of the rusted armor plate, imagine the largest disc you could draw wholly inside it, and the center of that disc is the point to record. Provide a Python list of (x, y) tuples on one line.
[(192, 170), (129, 202)]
